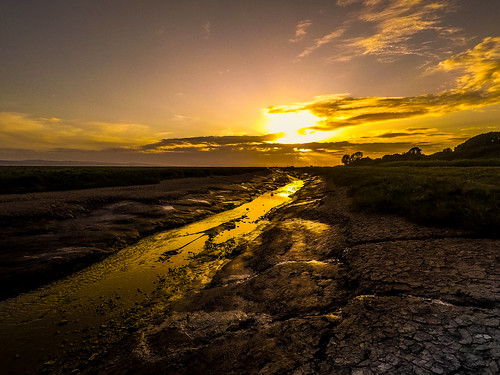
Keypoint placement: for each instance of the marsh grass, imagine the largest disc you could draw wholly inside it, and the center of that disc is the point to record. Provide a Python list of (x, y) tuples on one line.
[(38, 179), (462, 197)]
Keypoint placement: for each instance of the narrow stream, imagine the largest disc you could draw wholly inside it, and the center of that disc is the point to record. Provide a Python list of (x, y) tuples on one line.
[(80, 314)]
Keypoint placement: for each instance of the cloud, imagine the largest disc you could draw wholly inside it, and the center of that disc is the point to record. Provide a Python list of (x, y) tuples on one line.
[(256, 150), (30, 137), (392, 28), (185, 118), (396, 135), (206, 30), (478, 86), (301, 30), (344, 3), (19, 130), (209, 143), (481, 66), (261, 147), (219, 154), (321, 42)]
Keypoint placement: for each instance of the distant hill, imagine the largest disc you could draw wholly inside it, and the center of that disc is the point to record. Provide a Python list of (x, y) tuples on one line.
[(485, 145)]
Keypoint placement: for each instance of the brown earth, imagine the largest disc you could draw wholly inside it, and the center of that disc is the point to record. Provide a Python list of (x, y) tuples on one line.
[(44, 236), (325, 290)]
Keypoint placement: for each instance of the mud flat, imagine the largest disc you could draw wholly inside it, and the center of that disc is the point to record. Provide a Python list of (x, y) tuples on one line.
[(44, 236), (325, 290)]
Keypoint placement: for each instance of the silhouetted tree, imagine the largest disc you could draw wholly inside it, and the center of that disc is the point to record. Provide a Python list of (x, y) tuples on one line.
[(346, 159), (415, 151), (356, 156)]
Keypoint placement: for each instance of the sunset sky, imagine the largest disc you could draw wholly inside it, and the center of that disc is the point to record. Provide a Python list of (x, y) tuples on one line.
[(219, 82)]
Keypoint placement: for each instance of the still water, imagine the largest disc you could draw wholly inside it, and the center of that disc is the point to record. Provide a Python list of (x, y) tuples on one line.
[(80, 315)]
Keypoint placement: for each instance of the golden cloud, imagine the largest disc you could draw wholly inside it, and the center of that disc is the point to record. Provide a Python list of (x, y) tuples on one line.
[(481, 65), (478, 86), (19, 130), (301, 30)]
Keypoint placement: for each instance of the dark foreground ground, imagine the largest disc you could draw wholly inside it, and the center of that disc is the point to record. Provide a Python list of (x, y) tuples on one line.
[(325, 290)]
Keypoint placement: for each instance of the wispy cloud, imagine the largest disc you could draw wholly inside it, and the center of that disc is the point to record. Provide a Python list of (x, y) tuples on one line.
[(301, 30), (344, 3), (391, 28), (206, 30), (318, 43), (478, 86)]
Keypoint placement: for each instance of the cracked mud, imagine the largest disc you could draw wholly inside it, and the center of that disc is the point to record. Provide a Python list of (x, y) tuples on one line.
[(326, 290)]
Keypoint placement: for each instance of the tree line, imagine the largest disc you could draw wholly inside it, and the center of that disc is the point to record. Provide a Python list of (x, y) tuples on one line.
[(482, 146)]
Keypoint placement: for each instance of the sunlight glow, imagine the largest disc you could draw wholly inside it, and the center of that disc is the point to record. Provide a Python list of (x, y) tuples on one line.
[(296, 126)]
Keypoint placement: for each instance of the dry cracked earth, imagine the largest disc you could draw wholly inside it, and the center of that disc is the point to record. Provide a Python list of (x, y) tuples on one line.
[(325, 290)]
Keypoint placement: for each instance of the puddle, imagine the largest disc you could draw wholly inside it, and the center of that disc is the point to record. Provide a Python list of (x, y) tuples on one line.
[(107, 300)]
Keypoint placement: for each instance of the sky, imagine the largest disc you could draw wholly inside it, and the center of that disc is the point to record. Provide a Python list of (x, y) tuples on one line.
[(257, 83)]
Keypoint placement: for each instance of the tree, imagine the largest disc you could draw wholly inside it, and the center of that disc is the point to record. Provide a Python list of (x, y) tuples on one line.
[(346, 159), (415, 151), (356, 156)]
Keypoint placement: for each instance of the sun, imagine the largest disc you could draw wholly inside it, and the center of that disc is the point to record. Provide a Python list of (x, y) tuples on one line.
[(297, 127)]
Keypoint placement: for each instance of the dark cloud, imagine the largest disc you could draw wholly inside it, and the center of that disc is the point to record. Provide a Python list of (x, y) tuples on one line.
[(196, 143), (417, 129), (396, 135), (263, 144)]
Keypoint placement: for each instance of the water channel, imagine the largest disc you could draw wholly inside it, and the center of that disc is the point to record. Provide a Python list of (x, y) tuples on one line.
[(79, 315)]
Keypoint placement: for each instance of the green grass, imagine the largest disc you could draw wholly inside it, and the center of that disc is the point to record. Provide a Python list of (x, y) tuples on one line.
[(37, 179), (463, 197)]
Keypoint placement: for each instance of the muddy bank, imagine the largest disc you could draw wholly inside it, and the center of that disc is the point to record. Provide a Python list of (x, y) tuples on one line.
[(326, 290), (44, 236)]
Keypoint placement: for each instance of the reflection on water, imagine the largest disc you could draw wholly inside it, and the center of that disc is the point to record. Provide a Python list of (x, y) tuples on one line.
[(108, 300)]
